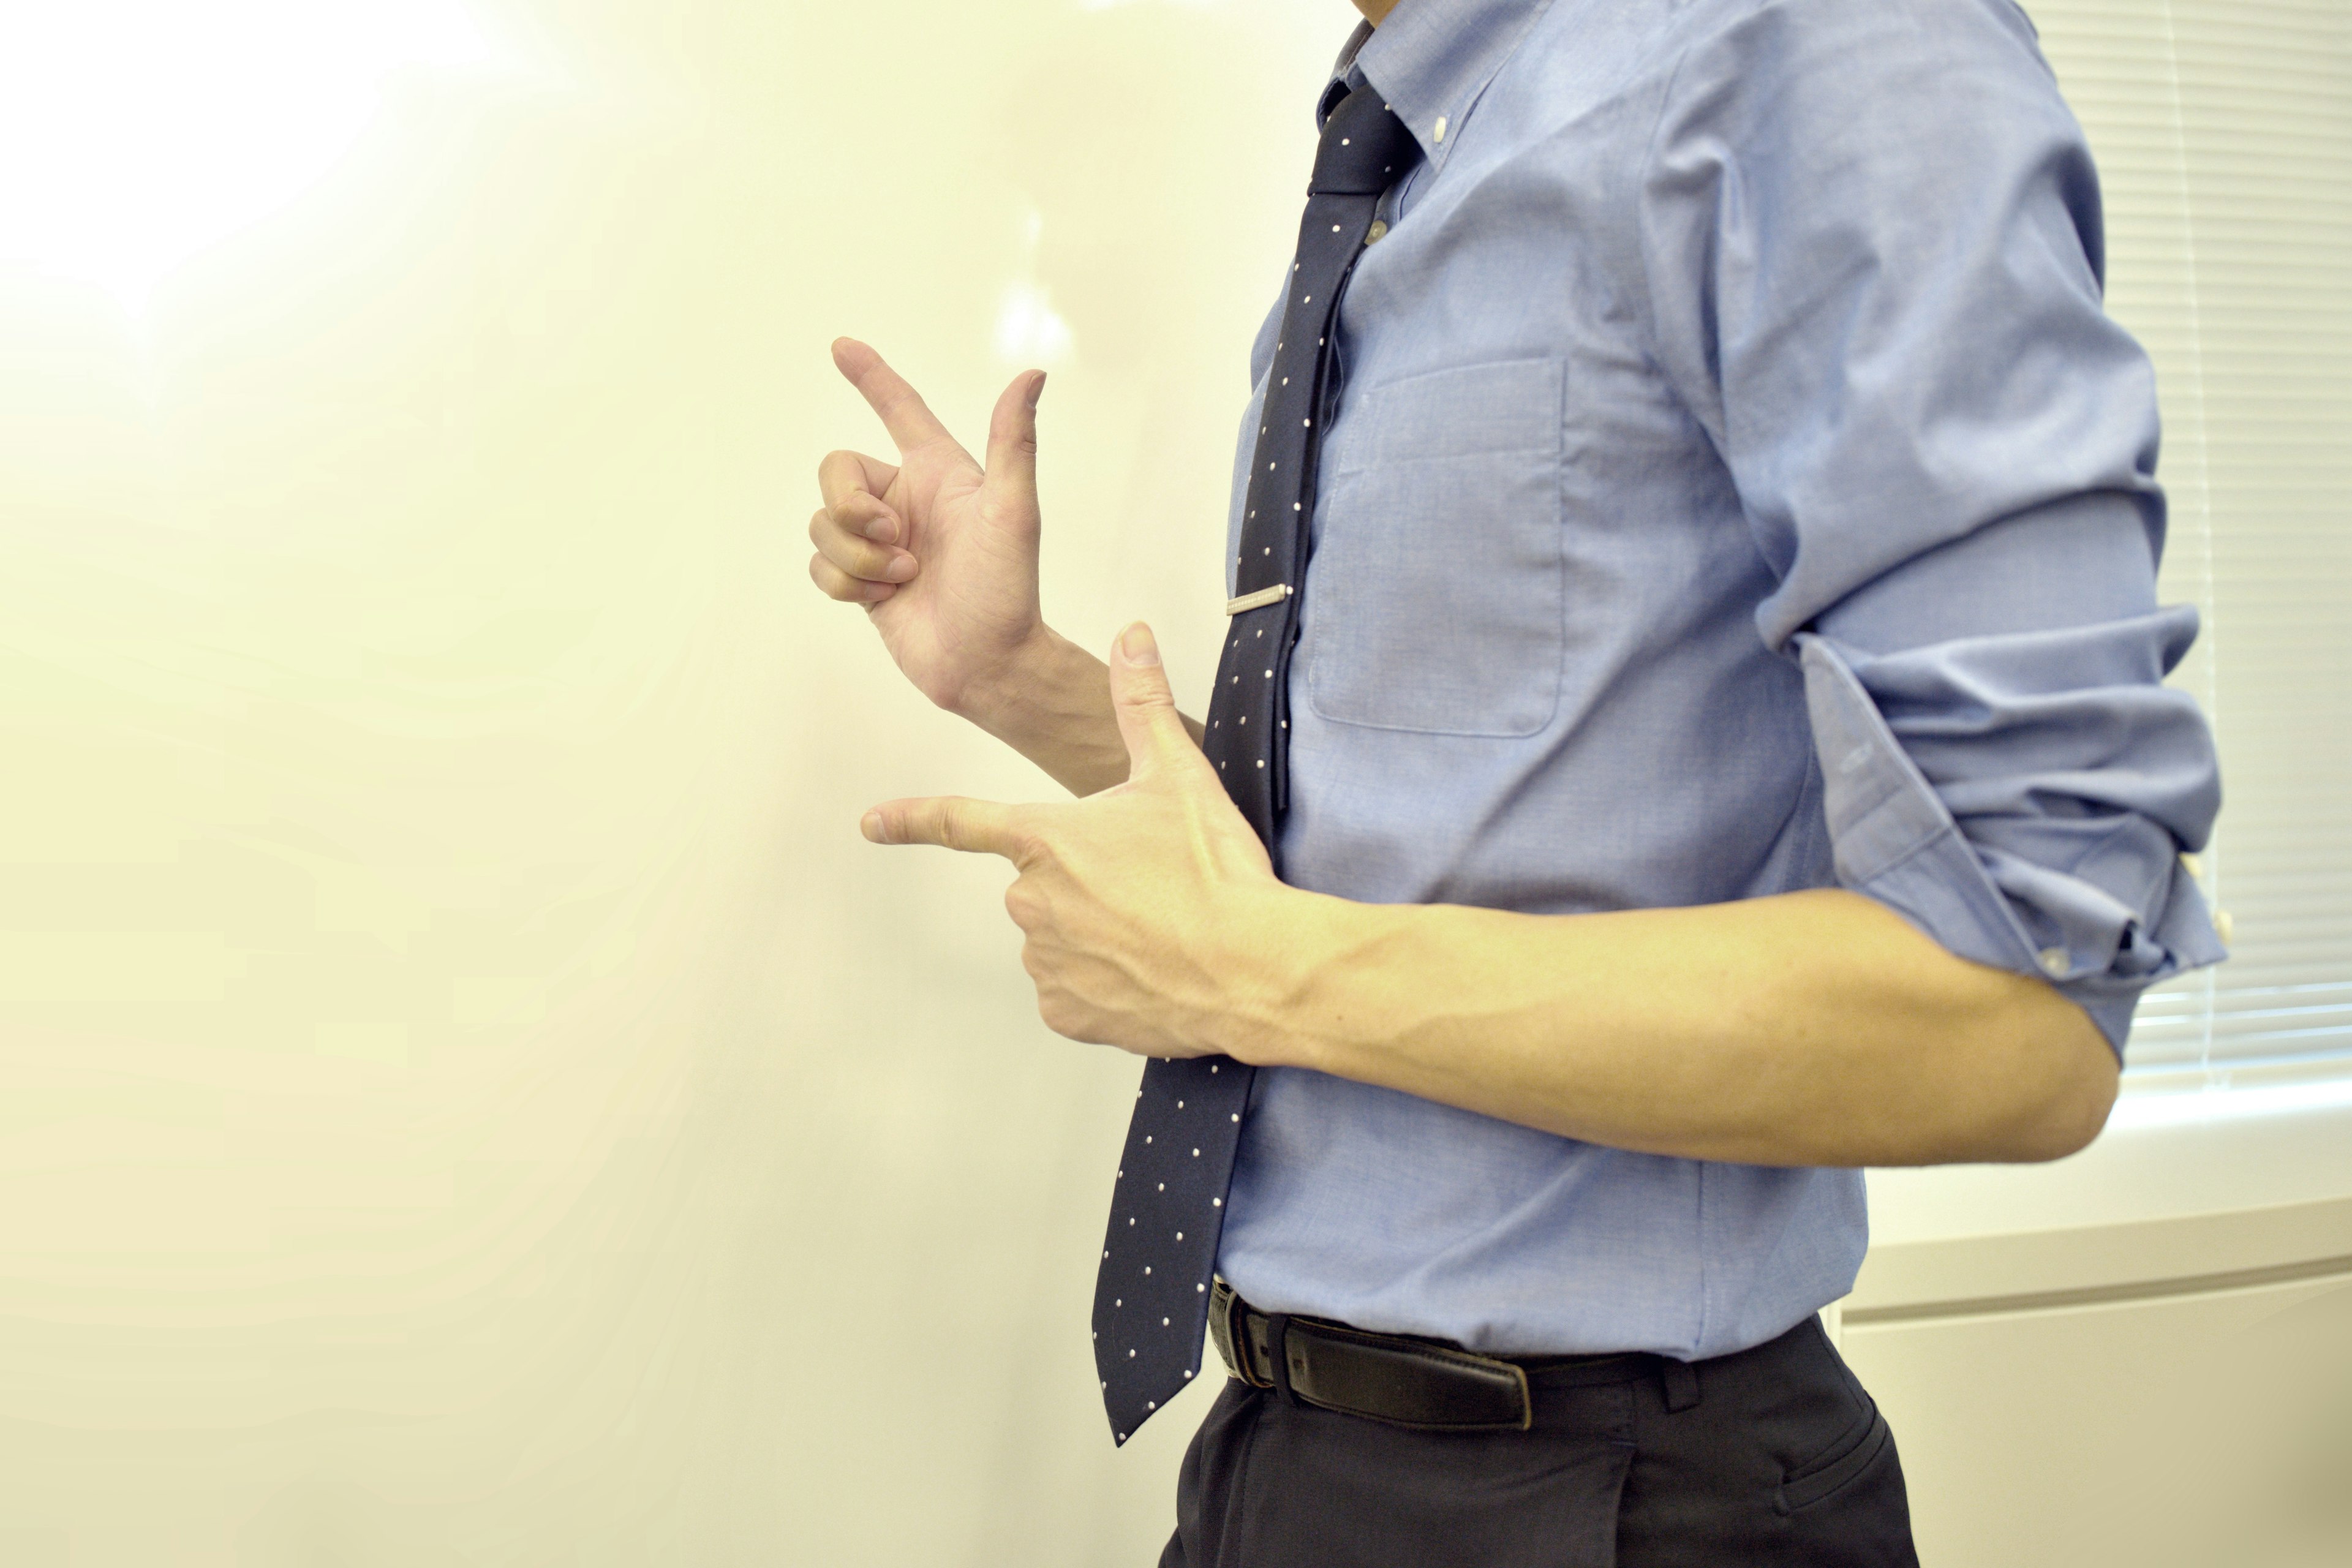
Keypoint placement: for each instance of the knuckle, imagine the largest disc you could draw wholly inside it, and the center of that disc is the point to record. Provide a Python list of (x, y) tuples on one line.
[(1058, 1012), (851, 555), (1145, 688), (1030, 846), (838, 552), (829, 580)]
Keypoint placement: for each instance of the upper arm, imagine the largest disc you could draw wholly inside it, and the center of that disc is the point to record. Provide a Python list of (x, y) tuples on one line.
[(1874, 237), (1875, 244)]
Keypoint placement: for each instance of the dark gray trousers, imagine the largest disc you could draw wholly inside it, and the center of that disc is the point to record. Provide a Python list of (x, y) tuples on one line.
[(1771, 1456)]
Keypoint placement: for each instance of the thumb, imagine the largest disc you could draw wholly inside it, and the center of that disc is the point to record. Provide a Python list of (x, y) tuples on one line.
[(1146, 708), (1013, 435)]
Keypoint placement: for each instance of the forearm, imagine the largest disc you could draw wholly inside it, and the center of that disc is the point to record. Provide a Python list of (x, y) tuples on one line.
[(1814, 1028), (1053, 705)]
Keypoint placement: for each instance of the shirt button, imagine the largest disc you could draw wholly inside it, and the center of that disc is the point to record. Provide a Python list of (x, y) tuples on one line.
[(2054, 960), (1379, 230)]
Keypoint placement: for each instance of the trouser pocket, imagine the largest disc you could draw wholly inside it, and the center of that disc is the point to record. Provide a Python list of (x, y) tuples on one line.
[(1846, 1461)]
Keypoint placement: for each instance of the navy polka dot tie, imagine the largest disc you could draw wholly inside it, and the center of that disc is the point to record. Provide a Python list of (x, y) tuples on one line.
[(1151, 1294)]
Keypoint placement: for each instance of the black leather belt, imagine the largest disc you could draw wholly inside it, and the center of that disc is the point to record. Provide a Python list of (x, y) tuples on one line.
[(1406, 1382)]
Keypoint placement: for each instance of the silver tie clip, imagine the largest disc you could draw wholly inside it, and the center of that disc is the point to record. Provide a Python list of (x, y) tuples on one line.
[(1272, 595)]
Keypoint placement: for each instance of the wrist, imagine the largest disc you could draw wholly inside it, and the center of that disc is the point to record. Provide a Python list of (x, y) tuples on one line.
[(1284, 950), (996, 696), (1049, 700)]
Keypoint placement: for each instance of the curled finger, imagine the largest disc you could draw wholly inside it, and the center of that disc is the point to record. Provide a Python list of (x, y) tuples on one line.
[(856, 557), (835, 584), (853, 486)]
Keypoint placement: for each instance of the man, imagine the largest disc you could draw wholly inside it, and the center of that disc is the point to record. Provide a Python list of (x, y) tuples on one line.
[(1710, 738)]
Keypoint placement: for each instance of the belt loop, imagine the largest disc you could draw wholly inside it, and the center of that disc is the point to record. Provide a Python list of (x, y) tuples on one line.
[(1221, 1331), (1251, 1324), (1277, 1354), (1679, 1381)]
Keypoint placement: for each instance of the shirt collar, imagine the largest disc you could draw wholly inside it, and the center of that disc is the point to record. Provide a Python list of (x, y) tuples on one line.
[(1432, 58)]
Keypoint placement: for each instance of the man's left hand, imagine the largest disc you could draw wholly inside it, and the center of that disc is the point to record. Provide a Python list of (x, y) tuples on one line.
[(1141, 902)]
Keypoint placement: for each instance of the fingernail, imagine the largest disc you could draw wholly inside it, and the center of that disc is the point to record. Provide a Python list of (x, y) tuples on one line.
[(1136, 644), (883, 531), (870, 825), (1036, 389), (902, 567)]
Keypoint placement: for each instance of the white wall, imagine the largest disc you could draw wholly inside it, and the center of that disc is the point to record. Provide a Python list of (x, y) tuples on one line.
[(467, 1094), (467, 1091)]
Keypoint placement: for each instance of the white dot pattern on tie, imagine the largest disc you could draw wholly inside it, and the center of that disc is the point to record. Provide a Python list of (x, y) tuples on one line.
[(1182, 1181)]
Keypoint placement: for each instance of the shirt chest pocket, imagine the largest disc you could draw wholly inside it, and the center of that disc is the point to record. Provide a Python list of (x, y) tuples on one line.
[(1435, 596)]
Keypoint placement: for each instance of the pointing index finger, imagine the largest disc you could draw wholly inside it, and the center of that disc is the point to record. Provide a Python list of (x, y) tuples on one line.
[(901, 409), (951, 822)]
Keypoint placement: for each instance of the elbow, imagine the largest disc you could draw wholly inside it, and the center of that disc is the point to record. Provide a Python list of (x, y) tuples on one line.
[(2066, 1124), (2064, 1078), (2022, 1078)]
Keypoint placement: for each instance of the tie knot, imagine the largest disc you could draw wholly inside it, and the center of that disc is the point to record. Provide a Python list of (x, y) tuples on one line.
[(1365, 149)]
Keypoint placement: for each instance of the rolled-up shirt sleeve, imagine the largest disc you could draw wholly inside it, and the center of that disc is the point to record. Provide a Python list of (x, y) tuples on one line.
[(1873, 241)]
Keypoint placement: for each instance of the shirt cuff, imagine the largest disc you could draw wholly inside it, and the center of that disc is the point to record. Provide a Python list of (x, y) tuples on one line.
[(1894, 840)]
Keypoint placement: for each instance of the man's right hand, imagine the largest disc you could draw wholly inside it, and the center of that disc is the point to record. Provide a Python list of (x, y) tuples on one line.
[(940, 551)]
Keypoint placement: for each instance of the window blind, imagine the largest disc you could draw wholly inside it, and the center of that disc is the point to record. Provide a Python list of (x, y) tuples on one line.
[(2223, 134)]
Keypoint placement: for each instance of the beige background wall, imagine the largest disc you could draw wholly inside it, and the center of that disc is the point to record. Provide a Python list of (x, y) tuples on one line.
[(467, 1094)]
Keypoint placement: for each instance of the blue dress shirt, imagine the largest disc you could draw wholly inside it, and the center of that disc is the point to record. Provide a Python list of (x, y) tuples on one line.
[(1735, 487)]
